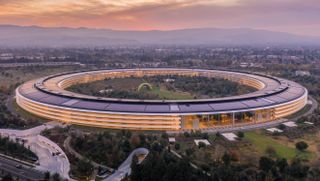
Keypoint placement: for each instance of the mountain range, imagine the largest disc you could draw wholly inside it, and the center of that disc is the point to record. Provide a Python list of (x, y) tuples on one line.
[(34, 36)]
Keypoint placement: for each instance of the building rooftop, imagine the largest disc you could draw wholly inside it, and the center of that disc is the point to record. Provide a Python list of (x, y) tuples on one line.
[(275, 91)]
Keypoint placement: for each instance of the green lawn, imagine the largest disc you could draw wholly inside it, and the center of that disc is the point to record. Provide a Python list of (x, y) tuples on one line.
[(261, 142), (166, 94)]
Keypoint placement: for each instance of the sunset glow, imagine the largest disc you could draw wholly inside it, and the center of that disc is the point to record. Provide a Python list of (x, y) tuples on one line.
[(295, 16)]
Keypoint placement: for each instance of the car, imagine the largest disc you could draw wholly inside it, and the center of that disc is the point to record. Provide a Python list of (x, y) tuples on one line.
[(19, 166)]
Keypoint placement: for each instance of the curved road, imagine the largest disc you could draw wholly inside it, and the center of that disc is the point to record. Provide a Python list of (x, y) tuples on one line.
[(125, 168)]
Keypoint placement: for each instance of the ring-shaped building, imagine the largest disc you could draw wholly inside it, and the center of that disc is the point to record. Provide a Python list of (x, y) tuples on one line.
[(275, 98)]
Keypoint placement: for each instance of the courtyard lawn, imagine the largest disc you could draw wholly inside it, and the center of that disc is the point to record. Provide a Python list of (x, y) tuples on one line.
[(261, 143), (163, 93)]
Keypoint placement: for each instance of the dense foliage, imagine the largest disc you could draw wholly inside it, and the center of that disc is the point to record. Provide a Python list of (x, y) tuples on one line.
[(7, 120), (109, 149), (163, 166), (194, 87), (211, 87), (15, 149)]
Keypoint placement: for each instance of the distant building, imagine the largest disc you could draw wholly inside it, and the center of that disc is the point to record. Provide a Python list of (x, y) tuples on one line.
[(169, 80), (105, 91), (6, 56), (244, 64), (302, 73)]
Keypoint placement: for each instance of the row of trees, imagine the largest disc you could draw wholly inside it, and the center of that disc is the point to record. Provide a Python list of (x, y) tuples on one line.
[(161, 166), (112, 149), (16, 149), (7, 120)]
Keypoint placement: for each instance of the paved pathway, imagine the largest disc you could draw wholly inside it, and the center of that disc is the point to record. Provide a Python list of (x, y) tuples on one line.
[(125, 168)]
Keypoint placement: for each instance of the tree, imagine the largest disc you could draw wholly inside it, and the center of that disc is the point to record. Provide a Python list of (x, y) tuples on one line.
[(156, 146), (266, 163), (186, 134), (301, 145), (135, 169), (47, 176), (85, 167), (281, 126), (201, 145), (177, 146), (7, 178), (226, 158), (240, 134), (298, 169), (282, 164), (56, 177)]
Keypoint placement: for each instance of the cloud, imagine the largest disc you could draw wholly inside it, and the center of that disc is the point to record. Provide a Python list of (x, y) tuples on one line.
[(297, 16)]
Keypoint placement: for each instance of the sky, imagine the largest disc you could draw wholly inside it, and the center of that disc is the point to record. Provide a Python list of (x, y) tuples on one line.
[(294, 16)]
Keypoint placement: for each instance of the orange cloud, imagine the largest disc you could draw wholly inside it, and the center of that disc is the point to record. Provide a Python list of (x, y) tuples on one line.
[(295, 16)]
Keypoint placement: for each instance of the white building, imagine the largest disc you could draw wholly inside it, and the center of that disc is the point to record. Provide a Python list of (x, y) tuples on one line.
[(302, 73)]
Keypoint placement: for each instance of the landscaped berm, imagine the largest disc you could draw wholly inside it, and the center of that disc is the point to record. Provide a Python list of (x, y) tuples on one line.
[(162, 99)]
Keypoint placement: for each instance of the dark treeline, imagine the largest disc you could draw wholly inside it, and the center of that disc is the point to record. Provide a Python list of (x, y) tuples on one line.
[(113, 149), (15, 149), (162, 166), (198, 87)]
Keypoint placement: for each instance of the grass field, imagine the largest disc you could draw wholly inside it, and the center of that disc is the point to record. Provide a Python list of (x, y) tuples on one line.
[(283, 150), (166, 94)]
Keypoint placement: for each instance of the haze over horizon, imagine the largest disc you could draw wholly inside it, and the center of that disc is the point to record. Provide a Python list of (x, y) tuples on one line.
[(292, 16)]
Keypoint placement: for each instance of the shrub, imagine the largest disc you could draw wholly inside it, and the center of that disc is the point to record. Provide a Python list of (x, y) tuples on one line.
[(240, 134), (201, 145), (186, 134), (281, 126), (177, 146), (301, 145), (266, 163)]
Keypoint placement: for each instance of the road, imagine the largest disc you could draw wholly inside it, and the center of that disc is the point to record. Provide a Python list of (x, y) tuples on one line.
[(125, 168), (24, 173)]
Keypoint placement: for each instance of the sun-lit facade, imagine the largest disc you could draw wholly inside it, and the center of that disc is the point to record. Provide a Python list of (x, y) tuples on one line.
[(275, 98)]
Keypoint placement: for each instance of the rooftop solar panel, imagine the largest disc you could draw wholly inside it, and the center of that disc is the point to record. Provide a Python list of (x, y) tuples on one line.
[(126, 107), (91, 105), (54, 100), (37, 95), (296, 90), (70, 102), (174, 107), (287, 95), (227, 106), (157, 108), (195, 107), (256, 103), (276, 99)]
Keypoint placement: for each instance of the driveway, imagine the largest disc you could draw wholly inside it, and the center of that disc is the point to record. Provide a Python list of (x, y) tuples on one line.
[(125, 168)]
